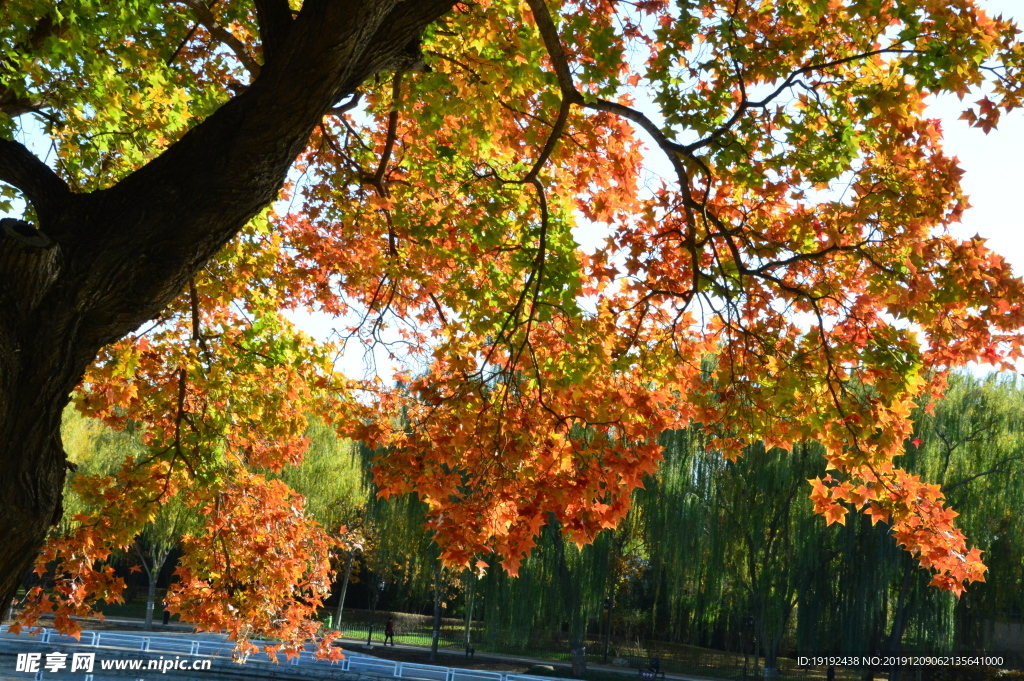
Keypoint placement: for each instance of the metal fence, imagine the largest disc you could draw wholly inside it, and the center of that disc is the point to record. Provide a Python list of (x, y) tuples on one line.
[(546, 645), (222, 650)]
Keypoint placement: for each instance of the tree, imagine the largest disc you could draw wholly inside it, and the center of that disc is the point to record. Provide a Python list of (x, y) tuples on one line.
[(971, 445), (332, 480), (156, 541), (760, 500), (443, 153)]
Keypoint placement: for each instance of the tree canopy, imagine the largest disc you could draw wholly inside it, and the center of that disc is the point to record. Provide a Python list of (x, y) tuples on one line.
[(416, 168)]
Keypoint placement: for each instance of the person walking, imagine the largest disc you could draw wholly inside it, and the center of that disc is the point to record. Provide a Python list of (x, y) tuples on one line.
[(389, 632)]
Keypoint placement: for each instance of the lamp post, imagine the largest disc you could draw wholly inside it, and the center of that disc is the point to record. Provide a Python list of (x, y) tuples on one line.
[(378, 584)]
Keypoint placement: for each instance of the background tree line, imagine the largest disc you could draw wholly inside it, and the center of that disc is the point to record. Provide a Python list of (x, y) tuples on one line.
[(720, 554)]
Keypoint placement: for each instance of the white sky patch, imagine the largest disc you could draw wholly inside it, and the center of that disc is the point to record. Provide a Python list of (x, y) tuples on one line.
[(991, 163)]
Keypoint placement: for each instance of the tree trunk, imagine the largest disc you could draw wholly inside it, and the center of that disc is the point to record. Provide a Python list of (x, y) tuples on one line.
[(757, 656), (436, 634), (104, 263), (151, 598), (608, 622), (35, 380), (153, 567), (771, 651), (471, 588), (773, 641), (344, 590)]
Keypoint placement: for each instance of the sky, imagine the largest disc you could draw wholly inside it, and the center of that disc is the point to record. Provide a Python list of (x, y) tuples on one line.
[(992, 178), (993, 173)]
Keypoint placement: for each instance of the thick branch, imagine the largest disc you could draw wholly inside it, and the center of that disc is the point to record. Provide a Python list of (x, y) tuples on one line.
[(392, 135), (159, 225), (345, 107), (672, 149), (14, 106), (275, 21), (549, 147), (570, 95), (20, 168), (12, 102), (225, 36), (553, 44)]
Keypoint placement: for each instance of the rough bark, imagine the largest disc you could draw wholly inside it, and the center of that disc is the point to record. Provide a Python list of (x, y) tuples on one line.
[(113, 259)]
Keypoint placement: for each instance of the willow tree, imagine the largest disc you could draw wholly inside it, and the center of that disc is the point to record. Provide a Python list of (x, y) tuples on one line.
[(845, 596), (713, 530), (865, 595), (974, 446), (690, 556), (807, 194), (332, 480), (553, 600), (766, 513), (93, 449), (729, 542)]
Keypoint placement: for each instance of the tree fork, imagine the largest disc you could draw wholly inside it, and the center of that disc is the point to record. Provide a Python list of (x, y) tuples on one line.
[(104, 263)]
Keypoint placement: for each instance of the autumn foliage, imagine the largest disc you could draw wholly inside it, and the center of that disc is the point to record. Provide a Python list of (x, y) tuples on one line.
[(788, 278)]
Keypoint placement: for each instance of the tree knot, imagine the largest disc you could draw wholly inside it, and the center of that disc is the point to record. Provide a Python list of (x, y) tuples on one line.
[(24, 233)]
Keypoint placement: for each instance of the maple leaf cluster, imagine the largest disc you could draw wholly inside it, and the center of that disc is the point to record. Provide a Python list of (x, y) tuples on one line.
[(257, 540), (918, 518), (791, 279)]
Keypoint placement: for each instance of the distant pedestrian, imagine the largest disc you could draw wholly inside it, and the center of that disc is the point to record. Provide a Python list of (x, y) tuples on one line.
[(389, 632), (167, 615), (830, 673)]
